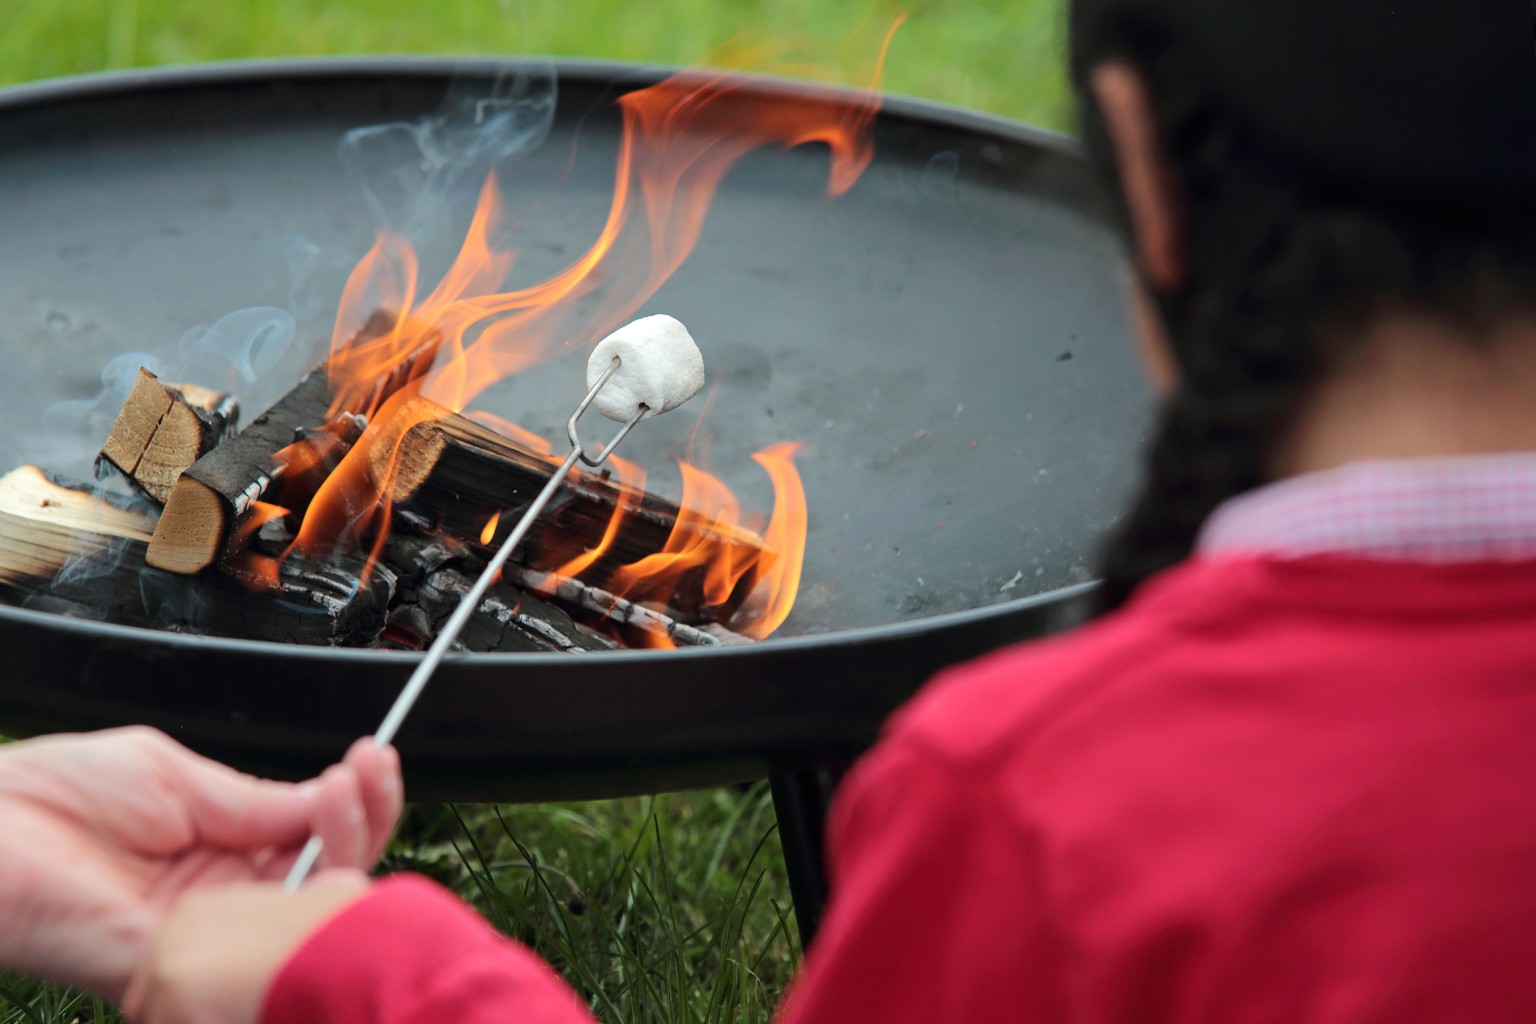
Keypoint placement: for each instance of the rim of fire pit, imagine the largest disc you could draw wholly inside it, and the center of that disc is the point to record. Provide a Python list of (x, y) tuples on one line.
[(618, 72), (560, 763)]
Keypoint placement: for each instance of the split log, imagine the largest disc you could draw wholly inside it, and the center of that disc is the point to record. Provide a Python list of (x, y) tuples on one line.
[(45, 527), (298, 440), (220, 488), (162, 429), (602, 607), (454, 474), (64, 549)]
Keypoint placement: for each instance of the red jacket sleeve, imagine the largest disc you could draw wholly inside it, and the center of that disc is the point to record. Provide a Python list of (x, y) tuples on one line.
[(932, 916), (411, 953)]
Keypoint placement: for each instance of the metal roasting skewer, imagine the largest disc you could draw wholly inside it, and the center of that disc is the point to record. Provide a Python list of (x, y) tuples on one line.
[(456, 622)]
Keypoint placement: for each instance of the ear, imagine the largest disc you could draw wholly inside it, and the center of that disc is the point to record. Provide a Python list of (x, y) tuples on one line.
[(1147, 178), (1152, 342)]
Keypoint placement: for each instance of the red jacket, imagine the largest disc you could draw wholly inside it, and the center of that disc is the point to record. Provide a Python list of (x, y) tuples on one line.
[(1266, 791)]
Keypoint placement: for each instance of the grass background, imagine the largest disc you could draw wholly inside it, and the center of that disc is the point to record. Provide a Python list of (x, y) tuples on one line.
[(673, 908), (1003, 56)]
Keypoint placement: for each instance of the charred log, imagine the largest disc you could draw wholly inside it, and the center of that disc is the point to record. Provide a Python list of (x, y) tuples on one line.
[(596, 605), (507, 619), (454, 474), (435, 573)]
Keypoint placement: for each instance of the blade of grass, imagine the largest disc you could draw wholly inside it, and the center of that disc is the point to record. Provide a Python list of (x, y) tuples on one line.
[(20, 1005), (586, 977)]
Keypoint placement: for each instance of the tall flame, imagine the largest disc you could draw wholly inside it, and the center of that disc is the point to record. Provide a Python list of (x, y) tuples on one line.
[(708, 543), (681, 136)]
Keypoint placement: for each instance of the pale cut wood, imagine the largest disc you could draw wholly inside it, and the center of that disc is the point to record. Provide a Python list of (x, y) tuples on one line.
[(43, 526), (218, 491), (62, 548), (162, 429)]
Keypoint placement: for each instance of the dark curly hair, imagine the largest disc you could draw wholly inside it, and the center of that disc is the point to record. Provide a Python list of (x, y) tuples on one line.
[(1283, 269)]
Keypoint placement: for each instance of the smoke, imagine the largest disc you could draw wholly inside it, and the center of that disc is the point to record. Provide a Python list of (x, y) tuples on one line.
[(251, 353), (417, 178), (420, 177)]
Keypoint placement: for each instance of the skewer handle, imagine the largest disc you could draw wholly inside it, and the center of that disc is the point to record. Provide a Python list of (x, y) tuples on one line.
[(310, 855), (304, 865)]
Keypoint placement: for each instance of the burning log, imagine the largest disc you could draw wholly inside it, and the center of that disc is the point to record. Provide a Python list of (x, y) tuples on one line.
[(507, 620), (431, 575), (434, 574), (605, 607), (295, 441), (455, 475), (68, 550), (162, 429)]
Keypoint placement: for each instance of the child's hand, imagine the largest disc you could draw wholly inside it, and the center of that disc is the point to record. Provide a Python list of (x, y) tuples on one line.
[(220, 948), (103, 832)]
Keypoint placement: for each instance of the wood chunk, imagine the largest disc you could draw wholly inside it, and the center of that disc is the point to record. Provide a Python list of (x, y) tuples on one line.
[(454, 473), (64, 549), (220, 489), (162, 429), (45, 526)]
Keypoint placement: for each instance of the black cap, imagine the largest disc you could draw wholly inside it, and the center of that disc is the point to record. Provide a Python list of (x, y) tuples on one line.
[(1421, 98)]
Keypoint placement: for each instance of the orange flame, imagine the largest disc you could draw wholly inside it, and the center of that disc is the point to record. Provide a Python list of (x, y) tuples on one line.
[(490, 528), (681, 137), (506, 428), (631, 484), (710, 545), (256, 571), (774, 595), (709, 512), (262, 513)]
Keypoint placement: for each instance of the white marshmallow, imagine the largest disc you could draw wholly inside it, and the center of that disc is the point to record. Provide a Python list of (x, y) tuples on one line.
[(660, 367)]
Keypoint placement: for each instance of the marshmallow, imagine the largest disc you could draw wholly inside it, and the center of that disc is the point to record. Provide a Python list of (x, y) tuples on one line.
[(660, 367)]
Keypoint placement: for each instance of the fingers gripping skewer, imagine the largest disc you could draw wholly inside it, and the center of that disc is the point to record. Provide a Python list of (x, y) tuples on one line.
[(649, 367)]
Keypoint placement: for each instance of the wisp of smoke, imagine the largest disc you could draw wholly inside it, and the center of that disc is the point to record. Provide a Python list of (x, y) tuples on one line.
[(415, 175)]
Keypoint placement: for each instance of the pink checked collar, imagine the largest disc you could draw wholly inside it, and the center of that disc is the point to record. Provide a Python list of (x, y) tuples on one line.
[(1461, 509)]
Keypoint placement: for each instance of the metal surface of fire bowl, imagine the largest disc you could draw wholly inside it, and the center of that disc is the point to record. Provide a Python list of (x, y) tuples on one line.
[(948, 340)]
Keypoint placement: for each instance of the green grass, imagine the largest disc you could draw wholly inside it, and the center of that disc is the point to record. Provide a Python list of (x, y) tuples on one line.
[(1003, 56), (658, 909), (673, 908)]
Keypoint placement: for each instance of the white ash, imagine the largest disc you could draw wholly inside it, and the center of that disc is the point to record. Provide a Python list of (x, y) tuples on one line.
[(660, 368)]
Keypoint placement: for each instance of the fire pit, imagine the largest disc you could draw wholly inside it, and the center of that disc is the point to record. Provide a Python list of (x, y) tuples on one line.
[(945, 340)]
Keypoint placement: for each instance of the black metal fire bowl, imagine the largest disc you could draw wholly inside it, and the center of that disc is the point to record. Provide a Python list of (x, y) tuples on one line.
[(948, 338)]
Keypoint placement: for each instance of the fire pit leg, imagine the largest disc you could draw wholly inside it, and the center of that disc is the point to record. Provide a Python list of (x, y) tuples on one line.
[(802, 793)]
